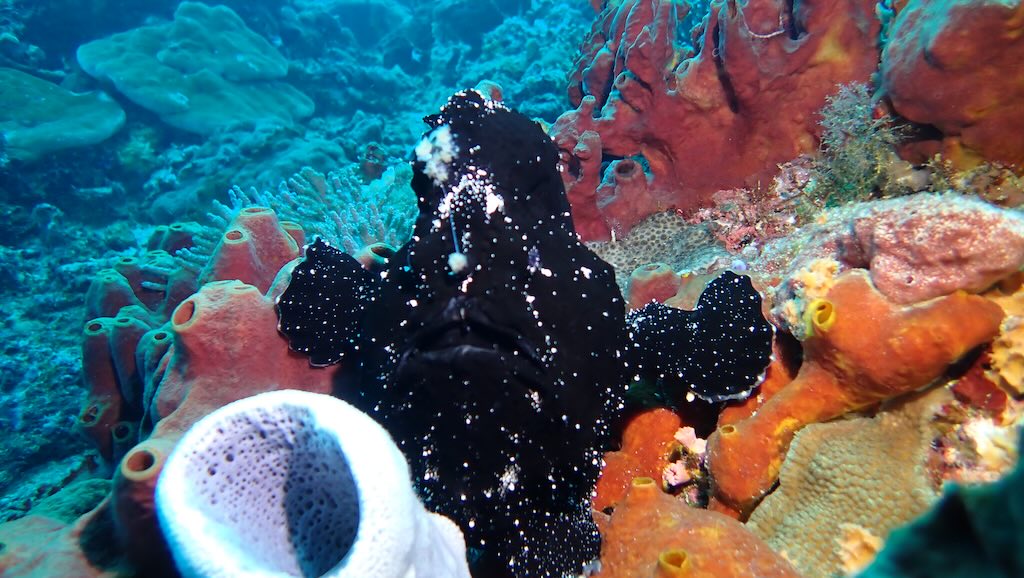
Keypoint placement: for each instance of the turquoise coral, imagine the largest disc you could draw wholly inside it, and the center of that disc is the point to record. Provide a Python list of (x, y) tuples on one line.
[(202, 72), (38, 117)]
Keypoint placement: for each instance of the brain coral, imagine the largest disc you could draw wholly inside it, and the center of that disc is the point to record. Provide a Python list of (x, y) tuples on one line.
[(662, 237), (866, 472)]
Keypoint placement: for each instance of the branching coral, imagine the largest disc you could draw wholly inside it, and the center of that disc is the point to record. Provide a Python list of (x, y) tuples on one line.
[(341, 208)]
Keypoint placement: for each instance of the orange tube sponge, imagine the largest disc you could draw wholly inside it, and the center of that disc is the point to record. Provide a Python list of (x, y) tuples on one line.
[(133, 505), (861, 349), (646, 443), (253, 249), (654, 534), (225, 347)]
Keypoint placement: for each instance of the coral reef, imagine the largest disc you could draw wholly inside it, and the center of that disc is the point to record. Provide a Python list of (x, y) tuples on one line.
[(972, 531), (965, 47), (40, 117), (74, 527), (696, 123), (914, 248), (654, 534), (848, 364), (1007, 356), (750, 136), (871, 473), (661, 238), (202, 72), (217, 346), (126, 343), (340, 208), (47, 266)]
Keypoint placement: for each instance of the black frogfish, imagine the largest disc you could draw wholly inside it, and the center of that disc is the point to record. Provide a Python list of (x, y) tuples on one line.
[(495, 347)]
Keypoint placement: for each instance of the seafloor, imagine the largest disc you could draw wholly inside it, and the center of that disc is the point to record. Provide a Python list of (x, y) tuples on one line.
[(163, 164)]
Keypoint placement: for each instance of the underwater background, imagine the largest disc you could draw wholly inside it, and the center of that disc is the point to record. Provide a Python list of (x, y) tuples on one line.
[(163, 164)]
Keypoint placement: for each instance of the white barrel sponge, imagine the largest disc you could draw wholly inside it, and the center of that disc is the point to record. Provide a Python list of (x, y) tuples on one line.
[(290, 483)]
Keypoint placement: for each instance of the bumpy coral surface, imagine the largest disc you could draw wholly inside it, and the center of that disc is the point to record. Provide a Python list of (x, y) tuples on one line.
[(914, 248), (1008, 348), (972, 531), (661, 238), (868, 472)]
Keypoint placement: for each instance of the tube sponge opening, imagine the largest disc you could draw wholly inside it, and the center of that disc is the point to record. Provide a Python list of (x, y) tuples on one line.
[(291, 483)]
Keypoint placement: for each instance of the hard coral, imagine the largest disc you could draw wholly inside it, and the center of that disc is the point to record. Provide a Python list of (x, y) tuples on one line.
[(946, 64), (863, 349), (721, 118), (39, 118), (1008, 348), (972, 531), (202, 72), (871, 473), (663, 237), (654, 534)]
